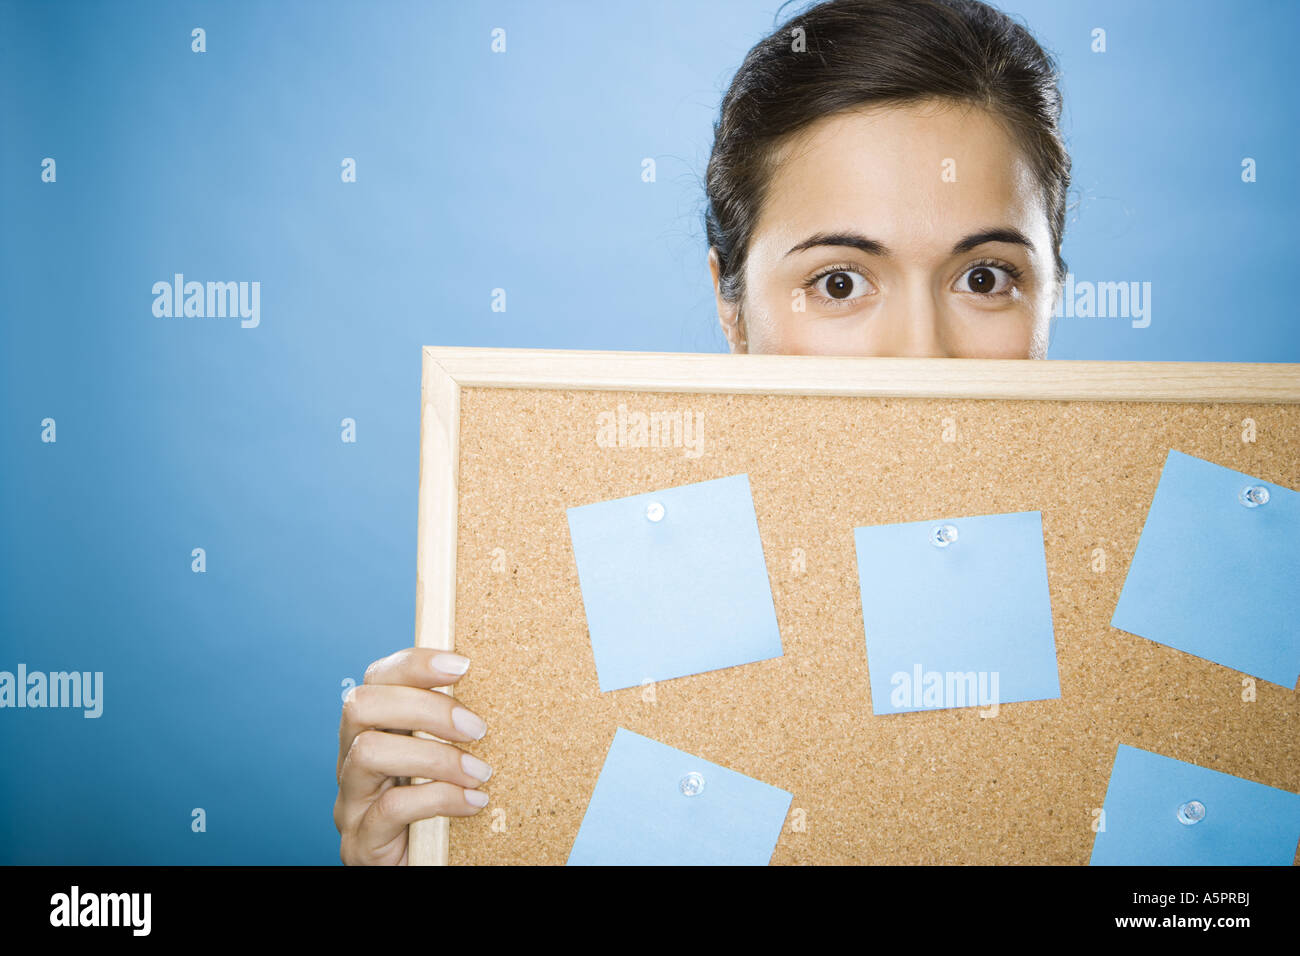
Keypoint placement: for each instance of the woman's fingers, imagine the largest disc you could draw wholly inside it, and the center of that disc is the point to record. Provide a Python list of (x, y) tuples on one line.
[(378, 754), (375, 756), (393, 707), (417, 667), (399, 807)]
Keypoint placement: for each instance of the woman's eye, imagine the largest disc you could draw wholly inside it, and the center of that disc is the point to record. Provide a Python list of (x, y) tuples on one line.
[(842, 285), (985, 280)]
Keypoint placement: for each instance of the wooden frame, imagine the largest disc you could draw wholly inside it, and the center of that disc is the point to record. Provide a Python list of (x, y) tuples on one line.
[(447, 370)]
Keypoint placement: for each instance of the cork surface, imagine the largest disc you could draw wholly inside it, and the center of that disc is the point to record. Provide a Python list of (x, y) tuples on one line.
[(930, 787)]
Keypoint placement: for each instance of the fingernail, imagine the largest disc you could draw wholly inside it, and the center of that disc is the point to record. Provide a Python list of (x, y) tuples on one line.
[(450, 663), (476, 798), (474, 767), (471, 725)]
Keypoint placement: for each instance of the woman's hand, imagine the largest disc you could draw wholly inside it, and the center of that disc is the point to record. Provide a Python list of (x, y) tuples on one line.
[(377, 752)]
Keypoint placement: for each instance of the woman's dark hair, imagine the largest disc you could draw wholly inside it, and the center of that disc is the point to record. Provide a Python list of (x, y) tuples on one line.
[(863, 52)]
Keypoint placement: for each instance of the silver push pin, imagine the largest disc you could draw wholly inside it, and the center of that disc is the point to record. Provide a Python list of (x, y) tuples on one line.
[(1193, 811), (654, 511), (1254, 496), (692, 784), (943, 535)]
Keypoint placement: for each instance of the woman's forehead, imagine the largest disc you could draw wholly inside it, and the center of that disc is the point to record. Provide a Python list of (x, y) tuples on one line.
[(917, 175)]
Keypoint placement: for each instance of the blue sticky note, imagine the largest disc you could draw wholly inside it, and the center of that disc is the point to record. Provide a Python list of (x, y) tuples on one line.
[(640, 816), (681, 595), (1214, 578), (958, 626), (1244, 823)]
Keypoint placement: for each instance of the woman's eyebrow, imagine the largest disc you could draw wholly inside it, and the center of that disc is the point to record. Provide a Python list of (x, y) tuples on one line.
[(876, 248), (999, 234), (853, 239)]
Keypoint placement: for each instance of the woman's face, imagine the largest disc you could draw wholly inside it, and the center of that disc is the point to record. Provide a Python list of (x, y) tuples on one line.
[(907, 230)]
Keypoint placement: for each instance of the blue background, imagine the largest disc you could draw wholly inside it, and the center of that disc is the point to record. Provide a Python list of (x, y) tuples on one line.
[(475, 171)]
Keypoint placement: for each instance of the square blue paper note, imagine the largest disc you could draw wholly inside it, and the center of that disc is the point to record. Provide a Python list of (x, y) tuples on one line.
[(1215, 578), (680, 595), (957, 626), (639, 814), (1244, 823)]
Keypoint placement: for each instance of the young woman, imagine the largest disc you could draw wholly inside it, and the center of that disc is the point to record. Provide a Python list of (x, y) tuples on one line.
[(888, 177)]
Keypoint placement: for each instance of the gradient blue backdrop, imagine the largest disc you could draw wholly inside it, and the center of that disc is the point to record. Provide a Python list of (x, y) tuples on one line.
[(475, 171)]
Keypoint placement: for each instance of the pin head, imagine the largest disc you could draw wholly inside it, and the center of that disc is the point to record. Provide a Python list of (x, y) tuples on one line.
[(1253, 496), (1193, 811), (943, 535), (654, 511), (692, 784)]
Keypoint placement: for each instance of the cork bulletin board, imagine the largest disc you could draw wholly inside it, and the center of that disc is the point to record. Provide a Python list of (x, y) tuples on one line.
[(509, 441)]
